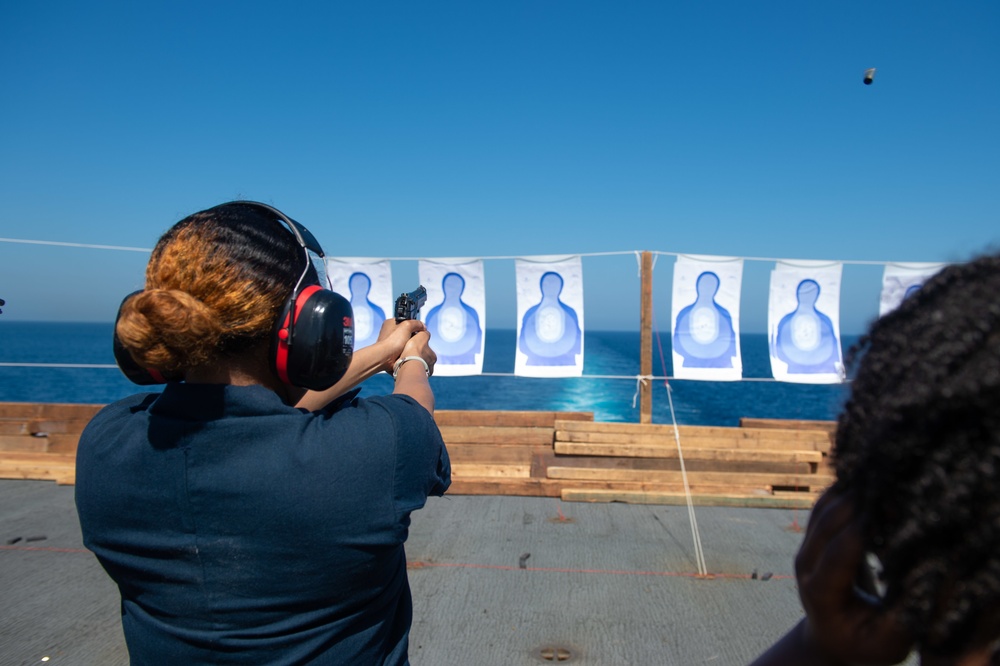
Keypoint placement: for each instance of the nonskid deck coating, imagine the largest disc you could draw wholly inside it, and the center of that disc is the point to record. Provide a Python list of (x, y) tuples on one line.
[(497, 581)]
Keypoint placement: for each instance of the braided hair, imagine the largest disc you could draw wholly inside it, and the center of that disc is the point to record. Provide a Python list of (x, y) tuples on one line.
[(918, 444), (215, 284)]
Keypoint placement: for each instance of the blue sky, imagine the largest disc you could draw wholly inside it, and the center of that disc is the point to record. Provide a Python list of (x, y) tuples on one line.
[(477, 129)]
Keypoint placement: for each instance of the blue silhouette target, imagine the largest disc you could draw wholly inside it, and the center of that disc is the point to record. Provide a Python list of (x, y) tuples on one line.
[(456, 335), (703, 333), (368, 317), (806, 339), (550, 330)]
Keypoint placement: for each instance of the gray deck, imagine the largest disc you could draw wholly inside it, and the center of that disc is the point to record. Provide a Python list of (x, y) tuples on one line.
[(608, 583)]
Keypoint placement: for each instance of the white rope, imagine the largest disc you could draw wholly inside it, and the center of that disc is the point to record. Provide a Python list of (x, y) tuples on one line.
[(84, 245), (635, 378), (656, 253), (528, 257), (629, 377), (695, 535), (812, 263), (638, 386)]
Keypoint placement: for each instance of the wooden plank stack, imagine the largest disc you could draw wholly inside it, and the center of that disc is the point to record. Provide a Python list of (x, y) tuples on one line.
[(38, 440), (766, 465), (502, 452), (537, 453)]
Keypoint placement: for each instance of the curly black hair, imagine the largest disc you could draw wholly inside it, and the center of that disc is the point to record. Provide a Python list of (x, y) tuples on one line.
[(918, 443)]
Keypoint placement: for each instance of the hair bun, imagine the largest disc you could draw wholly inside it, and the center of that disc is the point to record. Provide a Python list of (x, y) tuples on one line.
[(168, 329)]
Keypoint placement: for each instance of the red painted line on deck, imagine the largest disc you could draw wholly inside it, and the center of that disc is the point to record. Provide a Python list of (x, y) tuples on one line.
[(608, 572)]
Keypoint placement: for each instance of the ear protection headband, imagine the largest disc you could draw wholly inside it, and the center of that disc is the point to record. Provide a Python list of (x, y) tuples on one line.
[(313, 338)]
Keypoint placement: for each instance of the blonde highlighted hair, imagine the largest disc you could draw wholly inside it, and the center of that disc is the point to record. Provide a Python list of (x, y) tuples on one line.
[(215, 284)]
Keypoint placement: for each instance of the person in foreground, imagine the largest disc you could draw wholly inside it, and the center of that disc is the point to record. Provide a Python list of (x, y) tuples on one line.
[(255, 511), (917, 459)]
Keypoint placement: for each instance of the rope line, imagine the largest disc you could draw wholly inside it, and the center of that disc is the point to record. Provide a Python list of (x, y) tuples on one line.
[(656, 253), (699, 554), (88, 246), (631, 378), (812, 263)]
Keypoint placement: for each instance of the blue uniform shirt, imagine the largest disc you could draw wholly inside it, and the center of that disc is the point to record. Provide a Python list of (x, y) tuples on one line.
[(242, 530)]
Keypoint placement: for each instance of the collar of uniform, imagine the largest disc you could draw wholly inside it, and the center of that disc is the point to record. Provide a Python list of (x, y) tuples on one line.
[(207, 402)]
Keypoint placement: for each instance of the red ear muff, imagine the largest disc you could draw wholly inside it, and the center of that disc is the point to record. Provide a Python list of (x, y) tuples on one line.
[(128, 366), (313, 340)]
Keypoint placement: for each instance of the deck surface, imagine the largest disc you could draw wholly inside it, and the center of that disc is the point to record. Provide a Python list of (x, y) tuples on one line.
[(497, 581)]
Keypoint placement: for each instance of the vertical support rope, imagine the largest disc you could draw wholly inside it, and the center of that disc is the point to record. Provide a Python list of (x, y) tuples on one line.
[(699, 553)]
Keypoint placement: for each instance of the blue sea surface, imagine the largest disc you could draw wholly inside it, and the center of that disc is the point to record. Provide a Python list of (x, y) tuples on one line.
[(606, 353)]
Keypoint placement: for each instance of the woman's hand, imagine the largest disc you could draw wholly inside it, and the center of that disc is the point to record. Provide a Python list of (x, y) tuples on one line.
[(419, 345), (411, 377), (393, 338)]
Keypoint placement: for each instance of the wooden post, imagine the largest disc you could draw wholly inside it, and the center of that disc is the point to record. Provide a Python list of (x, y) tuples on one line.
[(646, 340)]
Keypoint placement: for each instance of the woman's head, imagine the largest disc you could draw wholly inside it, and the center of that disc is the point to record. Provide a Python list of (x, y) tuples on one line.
[(215, 284), (918, 443)]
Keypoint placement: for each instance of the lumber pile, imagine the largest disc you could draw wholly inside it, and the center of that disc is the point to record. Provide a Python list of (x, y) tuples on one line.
[(789, 424), (766, 465), (502, 452), (38, 440), (568, 455), (537, 453)]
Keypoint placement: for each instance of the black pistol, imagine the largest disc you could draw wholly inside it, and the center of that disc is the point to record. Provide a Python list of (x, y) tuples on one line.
[(408, 305)]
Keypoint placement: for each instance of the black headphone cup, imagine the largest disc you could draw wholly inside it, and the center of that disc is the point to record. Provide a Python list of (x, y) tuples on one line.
[(318, 350)]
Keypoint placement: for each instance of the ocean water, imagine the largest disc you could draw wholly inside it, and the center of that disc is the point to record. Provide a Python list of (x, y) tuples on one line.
[(607, 353)]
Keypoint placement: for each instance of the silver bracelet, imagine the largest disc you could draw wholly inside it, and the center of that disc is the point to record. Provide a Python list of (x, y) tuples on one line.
[(400, 362)]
